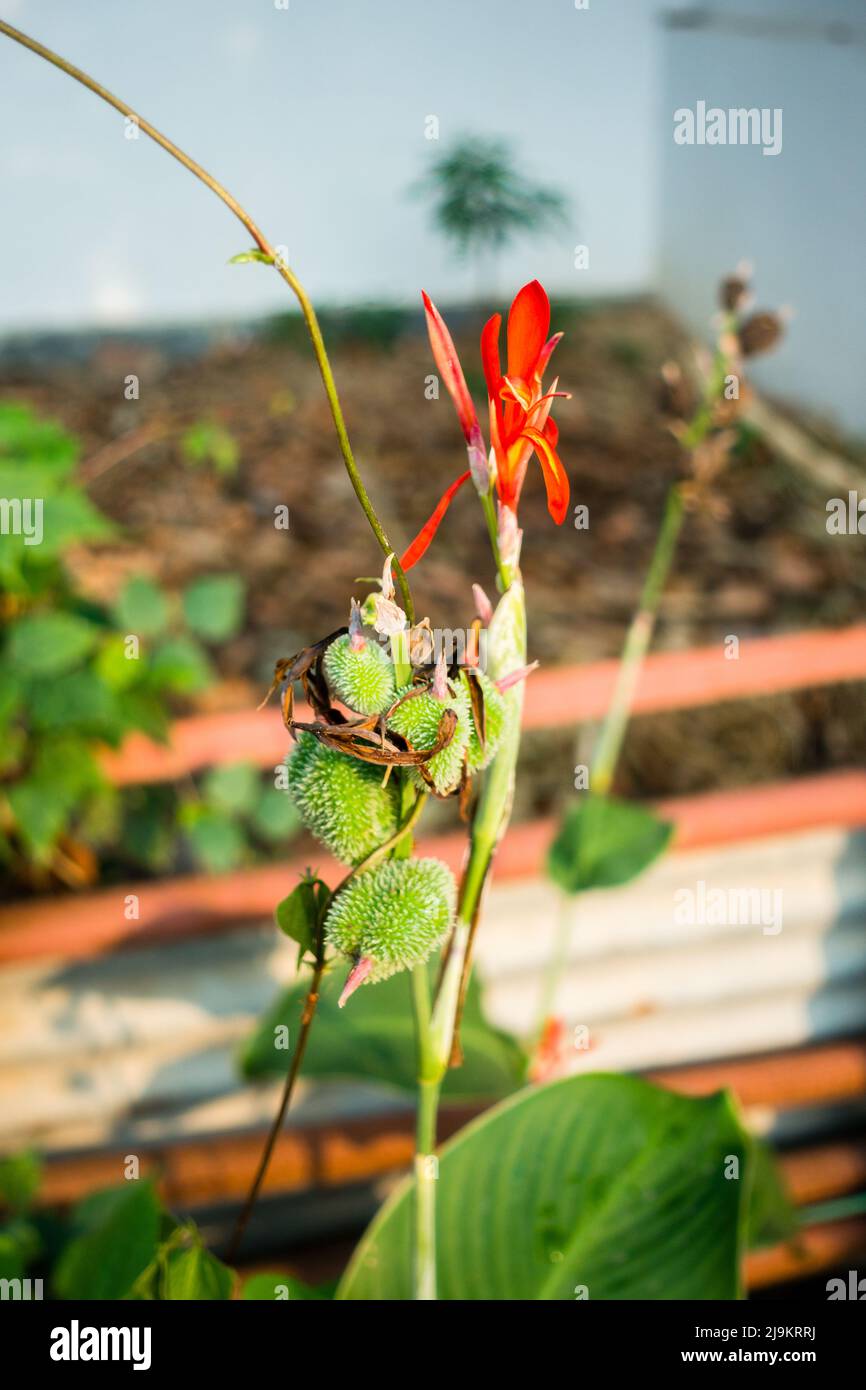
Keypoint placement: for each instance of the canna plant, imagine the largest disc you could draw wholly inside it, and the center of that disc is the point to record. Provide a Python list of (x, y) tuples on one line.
[(593, 1186), (603, 842)]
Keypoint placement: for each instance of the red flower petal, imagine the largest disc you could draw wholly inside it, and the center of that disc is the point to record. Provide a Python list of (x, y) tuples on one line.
[(528, 325), (546, 354), (431, 526), (490, 355), (445, 355), (555, 478)]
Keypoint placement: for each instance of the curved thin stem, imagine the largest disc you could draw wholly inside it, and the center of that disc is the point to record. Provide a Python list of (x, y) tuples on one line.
[(310, 1004), (268, 250)]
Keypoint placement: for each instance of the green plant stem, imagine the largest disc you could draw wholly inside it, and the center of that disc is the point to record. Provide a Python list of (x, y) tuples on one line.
[(607, 749), (637, 641), (429, 1084), (636, 645), (269, 251), (307, 1017), (438, 1028)]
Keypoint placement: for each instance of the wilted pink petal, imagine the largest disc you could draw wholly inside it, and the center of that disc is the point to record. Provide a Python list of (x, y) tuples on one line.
[(515, 677), (483, 606), (357, 976), (357, 640), (439, 689)]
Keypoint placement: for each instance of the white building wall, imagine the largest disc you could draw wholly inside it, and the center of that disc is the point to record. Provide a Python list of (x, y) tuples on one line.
[(799, 216)]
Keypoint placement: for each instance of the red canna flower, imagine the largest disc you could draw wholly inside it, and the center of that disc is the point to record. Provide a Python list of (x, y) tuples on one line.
[(519, 409)]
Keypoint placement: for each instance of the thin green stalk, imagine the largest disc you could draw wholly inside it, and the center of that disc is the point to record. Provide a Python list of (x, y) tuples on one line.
[(638, 638), (636, 645), (426, 1170), (269, 251)]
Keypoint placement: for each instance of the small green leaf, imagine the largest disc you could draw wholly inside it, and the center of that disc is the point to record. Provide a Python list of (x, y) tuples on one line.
[(50, 643), (216, 839), (180, 665), (300, 914), (78, 700), (603, 843), (142, 608), (275, 816), (206, 442), (254, 254), (232, 788), (195, 1275), (214, 607), (115, 665), (118, 1233), (20, 1176)]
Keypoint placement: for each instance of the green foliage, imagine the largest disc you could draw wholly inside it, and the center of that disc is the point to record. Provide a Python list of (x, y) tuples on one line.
[(115, 1236), (481, 200), (603, 843), (254, 254), (74, 675), (207, 442), (372, 1040), (214, 606), (597, 1183), (142, 608), (342, 801), (125, 1245), (302, 914), (49, 644), (394, 915), (770, 1217), (20, 1176), (216, 839), (363, 680)]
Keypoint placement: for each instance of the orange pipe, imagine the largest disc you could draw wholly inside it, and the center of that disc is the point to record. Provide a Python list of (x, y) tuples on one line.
[(80, 926), (554, 699)]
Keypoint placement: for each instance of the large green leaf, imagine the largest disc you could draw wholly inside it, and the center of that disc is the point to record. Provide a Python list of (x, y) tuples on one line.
[(603, 843), (596, 1186), (118, 1237), (50, 643), (373, 1039)]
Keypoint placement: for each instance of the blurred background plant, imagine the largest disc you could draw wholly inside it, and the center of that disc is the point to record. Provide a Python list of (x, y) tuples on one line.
[(481, 202), (77, 676)]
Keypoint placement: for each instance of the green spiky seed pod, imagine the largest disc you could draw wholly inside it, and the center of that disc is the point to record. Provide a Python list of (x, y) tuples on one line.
[(417, 719), (342, 801), (478, 755), (363, 680), (393, 915)]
